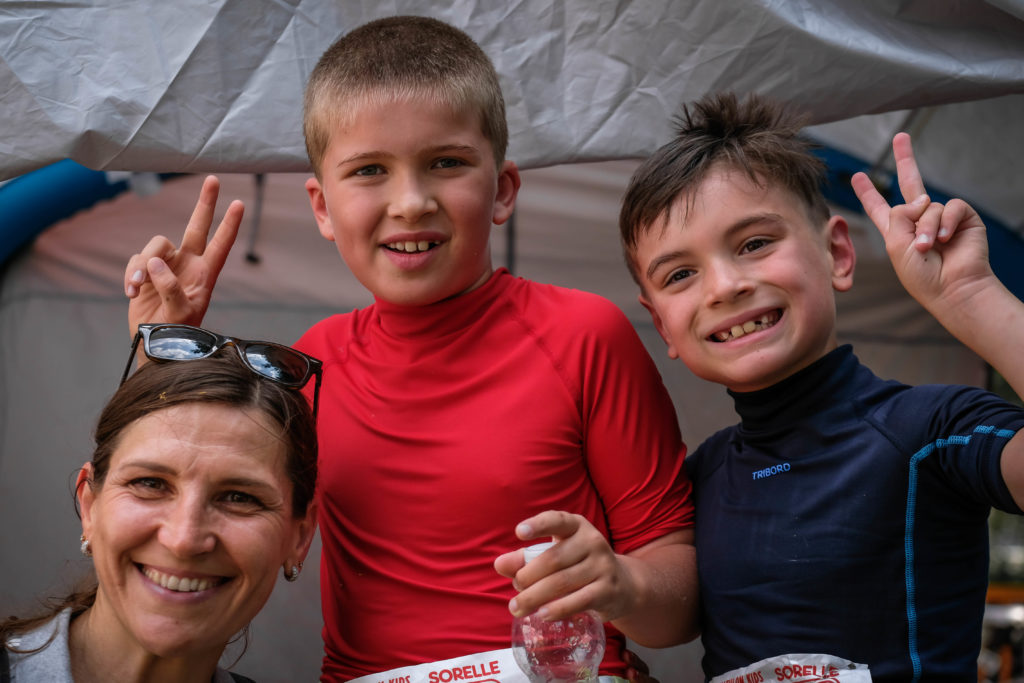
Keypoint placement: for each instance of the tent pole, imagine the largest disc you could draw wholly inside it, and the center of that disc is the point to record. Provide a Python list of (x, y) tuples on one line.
[(250, 253), (510, 243)]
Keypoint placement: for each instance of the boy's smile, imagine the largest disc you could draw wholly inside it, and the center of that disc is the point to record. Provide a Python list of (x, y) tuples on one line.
[(740, 282), (408, 192)]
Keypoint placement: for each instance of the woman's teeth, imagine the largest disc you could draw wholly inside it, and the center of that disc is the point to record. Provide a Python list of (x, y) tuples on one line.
[(737, 331), (178, 583)]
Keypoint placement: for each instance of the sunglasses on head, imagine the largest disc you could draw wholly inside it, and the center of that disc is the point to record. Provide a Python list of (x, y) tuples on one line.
[(276, 362)]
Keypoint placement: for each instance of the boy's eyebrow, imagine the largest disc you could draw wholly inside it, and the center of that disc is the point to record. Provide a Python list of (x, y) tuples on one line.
[(744, 222), (660, 261), (438, 149)]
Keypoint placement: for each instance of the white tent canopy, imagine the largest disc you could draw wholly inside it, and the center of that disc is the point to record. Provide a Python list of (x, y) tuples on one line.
[(215, 85)]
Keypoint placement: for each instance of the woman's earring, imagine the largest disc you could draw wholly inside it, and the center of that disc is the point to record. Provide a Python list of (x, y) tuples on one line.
[(85, 548), (293, 574)]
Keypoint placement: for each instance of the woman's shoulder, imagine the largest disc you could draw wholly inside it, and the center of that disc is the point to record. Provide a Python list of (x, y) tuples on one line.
[(42, 653)]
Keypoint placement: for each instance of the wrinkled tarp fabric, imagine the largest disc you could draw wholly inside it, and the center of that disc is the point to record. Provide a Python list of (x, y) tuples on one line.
[(215, 86)]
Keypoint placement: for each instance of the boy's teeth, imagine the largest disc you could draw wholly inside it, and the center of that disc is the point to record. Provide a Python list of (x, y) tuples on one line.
[(737, 331), (412, 247), (180, 584)]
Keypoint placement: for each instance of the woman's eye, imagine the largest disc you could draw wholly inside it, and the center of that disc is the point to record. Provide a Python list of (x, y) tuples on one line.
[(240, 498), (147, 485)]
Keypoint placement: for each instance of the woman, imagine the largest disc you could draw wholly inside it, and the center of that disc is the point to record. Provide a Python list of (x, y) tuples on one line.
[(201, 485)]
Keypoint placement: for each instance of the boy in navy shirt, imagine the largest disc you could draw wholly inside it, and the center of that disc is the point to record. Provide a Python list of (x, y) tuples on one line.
[(842, 524)]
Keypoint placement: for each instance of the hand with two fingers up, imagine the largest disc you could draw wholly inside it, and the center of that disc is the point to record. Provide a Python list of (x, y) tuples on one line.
[(939, 251), (173, 284)]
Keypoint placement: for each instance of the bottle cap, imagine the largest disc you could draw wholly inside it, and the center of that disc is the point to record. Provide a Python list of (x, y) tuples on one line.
[(533, 551)]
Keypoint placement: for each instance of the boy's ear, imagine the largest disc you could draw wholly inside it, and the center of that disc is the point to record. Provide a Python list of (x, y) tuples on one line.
[(319, 205), (508, 190), (842, 253), (659, 325)]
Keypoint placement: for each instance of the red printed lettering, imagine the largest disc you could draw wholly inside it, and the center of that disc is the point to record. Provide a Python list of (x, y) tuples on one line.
[(462, 673), (806, 672)]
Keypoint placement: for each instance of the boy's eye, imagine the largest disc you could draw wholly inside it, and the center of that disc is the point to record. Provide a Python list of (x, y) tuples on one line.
[(448, 162), (678, 276), (754, 244), (371, 170)]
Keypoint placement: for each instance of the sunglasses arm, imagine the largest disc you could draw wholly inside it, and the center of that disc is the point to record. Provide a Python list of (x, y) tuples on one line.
[(131, 356)]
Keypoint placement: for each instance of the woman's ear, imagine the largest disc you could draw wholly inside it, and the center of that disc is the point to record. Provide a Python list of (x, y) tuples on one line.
[(842, 253), (508, 189), (85, 497), (305, 531)]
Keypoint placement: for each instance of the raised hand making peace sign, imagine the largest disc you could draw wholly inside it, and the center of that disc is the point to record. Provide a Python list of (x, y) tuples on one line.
[(168, 283), (939, 251)]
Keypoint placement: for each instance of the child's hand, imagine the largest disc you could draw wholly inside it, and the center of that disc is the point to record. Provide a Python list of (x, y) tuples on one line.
[(637, 670), (174, 284), (580, 572), (939, 252)]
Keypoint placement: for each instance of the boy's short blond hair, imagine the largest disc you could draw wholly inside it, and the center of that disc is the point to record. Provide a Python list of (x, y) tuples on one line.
[(757, 136), (395, 58)]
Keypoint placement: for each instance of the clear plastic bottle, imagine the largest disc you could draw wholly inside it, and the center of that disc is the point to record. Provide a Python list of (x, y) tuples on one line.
[(564, 651)]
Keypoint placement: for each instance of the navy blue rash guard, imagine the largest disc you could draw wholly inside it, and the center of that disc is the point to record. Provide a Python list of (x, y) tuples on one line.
[(847, 515)]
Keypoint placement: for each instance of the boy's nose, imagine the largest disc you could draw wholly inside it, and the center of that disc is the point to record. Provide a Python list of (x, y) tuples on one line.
[(724, 281), (412, 199), (187, 529)]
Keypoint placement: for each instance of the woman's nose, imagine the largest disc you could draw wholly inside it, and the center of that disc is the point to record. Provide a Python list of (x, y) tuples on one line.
[(187, 530)]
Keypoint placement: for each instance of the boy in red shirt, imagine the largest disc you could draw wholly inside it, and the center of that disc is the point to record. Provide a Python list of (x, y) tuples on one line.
[(465, 411)]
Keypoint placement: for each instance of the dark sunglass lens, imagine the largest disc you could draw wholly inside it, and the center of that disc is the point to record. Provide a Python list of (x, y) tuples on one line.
[(180, 343), (277, 363)]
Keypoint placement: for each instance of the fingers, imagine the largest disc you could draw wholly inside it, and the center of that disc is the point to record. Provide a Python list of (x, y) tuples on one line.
[(558, 594), (136, 273), (903, 229), (223, 239), (508, 564), (198, 229), (637, 670), (173, 298), (911, 184), (958, 215), (927, 225), (573, 575), (556, 523), (875, 206)]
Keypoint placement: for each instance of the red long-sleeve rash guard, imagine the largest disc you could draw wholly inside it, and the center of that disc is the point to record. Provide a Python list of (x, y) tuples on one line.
[(443, 426)]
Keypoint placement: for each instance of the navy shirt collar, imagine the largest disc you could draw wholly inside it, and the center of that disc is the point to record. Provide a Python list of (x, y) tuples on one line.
[(808, 391)]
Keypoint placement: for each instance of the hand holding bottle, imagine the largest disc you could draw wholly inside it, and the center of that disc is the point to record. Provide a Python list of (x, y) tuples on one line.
[(581, 573), (559, 650)]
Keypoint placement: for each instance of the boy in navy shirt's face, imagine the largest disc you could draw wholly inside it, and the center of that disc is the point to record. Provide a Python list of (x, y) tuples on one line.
[(740, 278)]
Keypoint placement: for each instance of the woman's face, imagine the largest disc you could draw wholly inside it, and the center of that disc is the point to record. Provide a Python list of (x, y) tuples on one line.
[(191, 527)]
